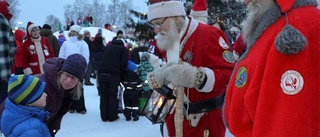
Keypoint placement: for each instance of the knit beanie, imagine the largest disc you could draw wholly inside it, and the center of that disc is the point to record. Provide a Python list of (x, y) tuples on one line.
[(76, 65), (25, 89), (100, 31), (76, 28), (165, 8), (46, 26)]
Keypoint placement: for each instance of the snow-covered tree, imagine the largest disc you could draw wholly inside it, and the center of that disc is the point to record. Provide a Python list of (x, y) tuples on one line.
[(13, 8), (98, 12), (113, 11)]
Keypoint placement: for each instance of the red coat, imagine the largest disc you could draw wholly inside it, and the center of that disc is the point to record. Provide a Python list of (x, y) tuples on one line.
[(19, 35), (273, 94), (208, 46), (32, 61)]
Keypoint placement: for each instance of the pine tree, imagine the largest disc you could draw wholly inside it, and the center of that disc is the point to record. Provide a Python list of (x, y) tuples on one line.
[(230, 12)]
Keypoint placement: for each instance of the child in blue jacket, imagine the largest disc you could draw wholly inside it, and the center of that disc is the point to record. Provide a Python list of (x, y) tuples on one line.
[(24, 115)]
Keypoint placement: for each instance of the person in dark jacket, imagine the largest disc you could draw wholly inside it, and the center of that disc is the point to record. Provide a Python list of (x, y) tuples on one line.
[(24, 111), (46, 32), (63, 86), (111, 70), (97, 52), (89, 71)]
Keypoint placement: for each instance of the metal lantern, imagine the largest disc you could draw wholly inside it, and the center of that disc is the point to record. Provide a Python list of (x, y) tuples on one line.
[(159, 104)]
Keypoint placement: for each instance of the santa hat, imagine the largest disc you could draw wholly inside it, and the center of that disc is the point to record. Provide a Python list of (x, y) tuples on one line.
[(30, 25), (165, 8), (4, 9), (199, 11), (289, 40)]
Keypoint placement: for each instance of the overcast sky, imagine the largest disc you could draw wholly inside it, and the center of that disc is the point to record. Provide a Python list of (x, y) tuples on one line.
[(37, 11)]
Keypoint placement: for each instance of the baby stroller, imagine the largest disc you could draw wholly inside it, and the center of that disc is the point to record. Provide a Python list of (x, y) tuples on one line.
[(132, 91)]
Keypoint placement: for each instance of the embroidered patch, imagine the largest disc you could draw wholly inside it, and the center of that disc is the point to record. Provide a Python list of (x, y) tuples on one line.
[(228, 56), (291, 82), (223, 43), (242, 77), (32, 49)]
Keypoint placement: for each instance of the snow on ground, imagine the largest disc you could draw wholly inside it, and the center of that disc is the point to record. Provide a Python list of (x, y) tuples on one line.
[(91, 125)]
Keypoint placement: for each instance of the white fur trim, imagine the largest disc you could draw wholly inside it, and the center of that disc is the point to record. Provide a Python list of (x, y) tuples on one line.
[(27, 71), (30, 28), (165, 9), (33, 64), (199, 13), (210, 81)]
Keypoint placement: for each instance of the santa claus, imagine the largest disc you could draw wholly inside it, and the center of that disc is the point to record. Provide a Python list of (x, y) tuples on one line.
[(207, 65)]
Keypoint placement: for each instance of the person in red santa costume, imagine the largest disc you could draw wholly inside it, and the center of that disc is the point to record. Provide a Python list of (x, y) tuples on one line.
[(207, 66), (274, 90), (35, 51)]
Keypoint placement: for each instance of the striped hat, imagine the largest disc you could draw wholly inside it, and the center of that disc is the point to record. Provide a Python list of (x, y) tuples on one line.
[(25, 89)]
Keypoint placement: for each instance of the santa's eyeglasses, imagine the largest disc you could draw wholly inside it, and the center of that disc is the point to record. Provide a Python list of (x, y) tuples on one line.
[(158, 24)]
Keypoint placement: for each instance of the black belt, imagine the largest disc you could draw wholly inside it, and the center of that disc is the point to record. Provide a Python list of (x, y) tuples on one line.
[(205, 105)]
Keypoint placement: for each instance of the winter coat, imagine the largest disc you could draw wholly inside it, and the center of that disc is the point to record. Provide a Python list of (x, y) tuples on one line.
[(143, 69), (52, 40), (23, 121), (75, 44), (97, 51), (61, 39), (19, 35), (58, 99), (275, 94), (114, 59)]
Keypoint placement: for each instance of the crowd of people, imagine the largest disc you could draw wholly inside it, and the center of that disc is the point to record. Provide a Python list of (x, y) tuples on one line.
[(265, 84)]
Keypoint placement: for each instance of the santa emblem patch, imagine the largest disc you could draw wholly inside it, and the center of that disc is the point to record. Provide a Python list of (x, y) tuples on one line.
[(242, 77), (223, 43), (32, 49), (228, 56), (291, 82)]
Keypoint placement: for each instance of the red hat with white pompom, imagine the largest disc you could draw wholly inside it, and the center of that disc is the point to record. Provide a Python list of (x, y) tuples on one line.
[(199, 11)]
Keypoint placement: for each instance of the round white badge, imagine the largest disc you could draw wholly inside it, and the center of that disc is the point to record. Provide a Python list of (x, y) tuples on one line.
[(223, 43), (291, 82)]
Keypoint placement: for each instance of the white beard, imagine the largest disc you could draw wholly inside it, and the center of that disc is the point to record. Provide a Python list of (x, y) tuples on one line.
[(166, 40), (257, 8)]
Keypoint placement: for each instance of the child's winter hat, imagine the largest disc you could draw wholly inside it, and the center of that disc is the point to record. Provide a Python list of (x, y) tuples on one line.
[(76, 28), (145, 56), (25, 89), (165, 8), (76, 65)]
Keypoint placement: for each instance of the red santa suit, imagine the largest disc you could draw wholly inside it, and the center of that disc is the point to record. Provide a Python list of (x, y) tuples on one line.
[(272, 94), (35, 52), (205, 46)]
